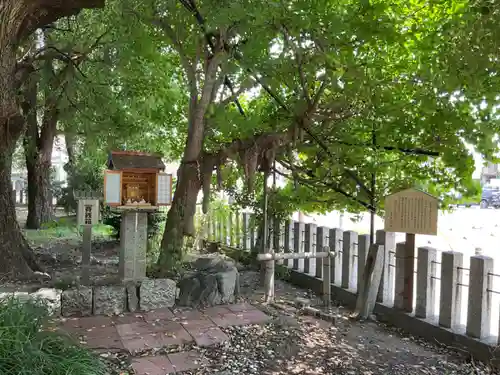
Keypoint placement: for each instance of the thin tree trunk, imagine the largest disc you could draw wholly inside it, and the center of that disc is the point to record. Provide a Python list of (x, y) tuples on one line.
[(39, 194), (38, 147)]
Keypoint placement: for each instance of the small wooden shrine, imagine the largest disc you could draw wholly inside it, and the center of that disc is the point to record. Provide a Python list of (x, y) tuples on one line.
[(135, 180)]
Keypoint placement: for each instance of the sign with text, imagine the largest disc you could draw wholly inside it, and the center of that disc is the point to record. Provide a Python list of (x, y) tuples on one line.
[(411, 211)]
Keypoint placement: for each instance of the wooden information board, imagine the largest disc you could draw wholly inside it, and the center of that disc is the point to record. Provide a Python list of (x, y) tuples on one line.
[(411, 211)]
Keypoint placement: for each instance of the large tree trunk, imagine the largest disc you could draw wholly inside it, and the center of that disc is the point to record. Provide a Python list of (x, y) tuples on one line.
[(12, 244), (180, 216), (19, 19)]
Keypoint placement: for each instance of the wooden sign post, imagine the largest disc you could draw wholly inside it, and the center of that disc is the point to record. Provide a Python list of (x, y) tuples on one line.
[(412, 212), (87, 216)]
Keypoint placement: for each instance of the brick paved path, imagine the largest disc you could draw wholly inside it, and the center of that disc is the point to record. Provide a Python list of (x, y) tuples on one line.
[(139, 332)]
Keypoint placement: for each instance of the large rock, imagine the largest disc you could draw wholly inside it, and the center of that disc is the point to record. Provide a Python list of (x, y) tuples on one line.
[(77, 301), (109, 300), (156, 294), (214, 281)]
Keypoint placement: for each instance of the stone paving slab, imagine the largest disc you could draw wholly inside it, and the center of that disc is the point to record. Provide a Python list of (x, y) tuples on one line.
[(139, 332)]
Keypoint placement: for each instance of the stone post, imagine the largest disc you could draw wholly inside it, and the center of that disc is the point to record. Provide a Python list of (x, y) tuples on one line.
[(309, 245), (277, 245), (386, 290), (237, 229), (426, 282), (298, 244), (220, 229), (133, 245), (245, 235), (479, 304), (86, 252), (289, 240), (230, 234), (321, 242), (451, 292), (253, 237), (335, 242), (363, 248), (400, 276), (349, 260)]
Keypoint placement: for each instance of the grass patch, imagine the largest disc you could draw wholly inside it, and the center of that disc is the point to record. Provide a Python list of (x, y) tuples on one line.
[(65, 228), (27, 349)]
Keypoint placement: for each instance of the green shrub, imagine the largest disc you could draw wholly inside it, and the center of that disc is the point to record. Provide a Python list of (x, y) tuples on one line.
[(27, 349), (156, 222)]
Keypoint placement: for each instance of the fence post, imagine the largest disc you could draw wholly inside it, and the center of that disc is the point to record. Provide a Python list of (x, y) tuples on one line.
[(451, 294), (277, 245), (237, 229), (386, 290), (229, 233), (363, 248), (245, 231), (321, 242), (298, 239), (252, 231), (289, 240), (221, 228), (309, 236), (349, 260), (426, 283), (335, 243), (327, 282), (480, 284), (400, 276)]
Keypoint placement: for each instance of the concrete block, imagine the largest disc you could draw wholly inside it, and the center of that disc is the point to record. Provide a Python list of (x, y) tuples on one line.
[(298, 244), (480, 301), (321, 244), (386, 289), (400, 276), (77, 301), (335, 242), (349, 260), (51, 298), (426, 282), (309, 245), (451, 292), (157, 293), (363, 248), (109, 300)]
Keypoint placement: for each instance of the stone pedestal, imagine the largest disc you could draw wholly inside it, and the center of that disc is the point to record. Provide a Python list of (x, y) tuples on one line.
[(133, 245)]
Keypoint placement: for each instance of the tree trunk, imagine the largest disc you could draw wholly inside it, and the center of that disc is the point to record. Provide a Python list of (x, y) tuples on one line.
[(180, 216), (14, 251), (39, 193)]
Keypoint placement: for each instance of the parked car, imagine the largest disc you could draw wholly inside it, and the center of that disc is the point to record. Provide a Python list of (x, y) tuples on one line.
[(490, 196)]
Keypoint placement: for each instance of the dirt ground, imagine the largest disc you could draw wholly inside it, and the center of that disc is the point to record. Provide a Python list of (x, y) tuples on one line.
[(292, 343)]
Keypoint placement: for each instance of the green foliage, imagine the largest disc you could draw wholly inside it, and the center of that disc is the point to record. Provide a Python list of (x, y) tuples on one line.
[(156, 222), (29, 346)]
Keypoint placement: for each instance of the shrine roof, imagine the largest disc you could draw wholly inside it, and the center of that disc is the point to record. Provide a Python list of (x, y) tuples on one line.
[(134, 160)]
